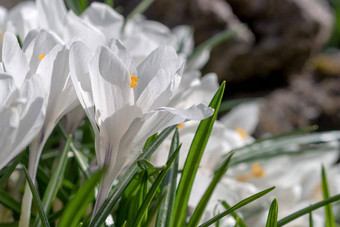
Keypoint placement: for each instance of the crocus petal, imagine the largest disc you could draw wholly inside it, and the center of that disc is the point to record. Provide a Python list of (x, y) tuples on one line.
[(245, 116), (110, 79), (103, 17), (6, 87), (52, 14), (162, 58), (14, 60)]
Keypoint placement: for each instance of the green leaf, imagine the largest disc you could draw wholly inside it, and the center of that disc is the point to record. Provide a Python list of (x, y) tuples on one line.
[(109, 3), (197, 215), (212, 42), (124, 181), (193, 159), (139, 9), (37, 200), (169, 188), (237, 206), (143, 209), (239, 221), (76, 208), (307, 210), (56, 179), (8, 201), (330, 221), (229, 104), (310, 219), (272, 215), (6, 172)]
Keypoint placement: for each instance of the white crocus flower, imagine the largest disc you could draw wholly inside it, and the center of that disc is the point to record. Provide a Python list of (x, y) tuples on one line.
[(127, 105), (41, 54), (22, 111)]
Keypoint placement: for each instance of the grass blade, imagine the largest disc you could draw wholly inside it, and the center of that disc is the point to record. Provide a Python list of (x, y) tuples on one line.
[(272, 215), (193, 159), (197, 215), (143, 209), (9, 170), (37, 200), (237, 206), (330, 221), (76, 208), (169, 188), (307, 210), (310, 219), (9, 202), (239, 221), (124, 181)]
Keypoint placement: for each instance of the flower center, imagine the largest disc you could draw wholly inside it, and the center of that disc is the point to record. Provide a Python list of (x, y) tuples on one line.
[(41, 57), (241, 132), (180, 126), (256, 172), (134, 80)]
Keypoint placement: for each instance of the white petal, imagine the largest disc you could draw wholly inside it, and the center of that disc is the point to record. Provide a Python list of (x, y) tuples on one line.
[(103, 17), (52, 14), (14, 60)]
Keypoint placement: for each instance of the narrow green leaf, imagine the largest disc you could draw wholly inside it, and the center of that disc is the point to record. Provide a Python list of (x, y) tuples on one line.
[(229, 104), (76, 208), (236, 206), (193, 159), (212, 42), (9, 170), (56, 180), (83, 4), (124, 181), (272, 215), (169, 187), (143, 209), (330, 221), (8, 201), (310, 219), (36, 200), (139, 9), (239, 221), (12, 224), (74, 6), (307, 210), (109, 3), (142, 195), (197, 215)]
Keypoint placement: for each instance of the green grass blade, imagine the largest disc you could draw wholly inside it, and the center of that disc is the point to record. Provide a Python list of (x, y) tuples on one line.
[(169, 188), (212, 42), (76, 208), (197, 215), (124, 181), (109, 3), (239, 221), (139, 9), (272, 215), (37, 200), (193, 159), (74, 6), (229, 104), (56, 179), (307, 210), (310, 219), (6, 173), (143, 209), (236, 206), (8, 201), (330, 221)]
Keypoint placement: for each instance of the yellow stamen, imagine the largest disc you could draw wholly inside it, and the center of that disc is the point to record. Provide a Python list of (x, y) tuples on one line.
[(180, 126), (256, 172), (134, 80), (241, 132), (41, 57)]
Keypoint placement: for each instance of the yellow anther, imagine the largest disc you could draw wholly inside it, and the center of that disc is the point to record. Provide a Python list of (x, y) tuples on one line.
[(241, 132), (256, 172), (180, 126), (134, 80), (41, 57)]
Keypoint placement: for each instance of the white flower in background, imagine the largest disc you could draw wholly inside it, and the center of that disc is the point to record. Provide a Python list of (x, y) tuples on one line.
[(42, 54), (22, 110), (298, 184), (127, 105)]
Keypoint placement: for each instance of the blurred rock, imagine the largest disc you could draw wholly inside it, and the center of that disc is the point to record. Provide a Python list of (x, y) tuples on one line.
[(307, 101)]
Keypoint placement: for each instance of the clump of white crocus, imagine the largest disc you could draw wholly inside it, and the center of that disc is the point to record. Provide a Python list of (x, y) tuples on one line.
[(125, 104), (42, 54)]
